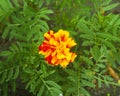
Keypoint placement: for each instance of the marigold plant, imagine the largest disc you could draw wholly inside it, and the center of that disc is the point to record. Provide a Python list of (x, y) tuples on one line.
[(56, 48), (84, 59)]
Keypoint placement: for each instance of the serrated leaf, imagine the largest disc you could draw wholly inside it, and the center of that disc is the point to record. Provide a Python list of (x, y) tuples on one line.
[(52, 83), (45, 11), (101, 65), (114, 19), (42, 89), (43, 16), (14, 48), (5, 53), (108, 36), (51, 72), (106, 2), (5, 91), (84, 28), (103, 60), (10, 74), (6, 5), (16, 73), (84, 91), (41, 2), (35, 85), (87, 36), (16, 3), (87, 83), (107, 43), (55, 91), (13, 83), (117, 22), (88, 43), (95, 51), (4, 76), (109, 7), (5, 32), (87, 60), (44, 24)]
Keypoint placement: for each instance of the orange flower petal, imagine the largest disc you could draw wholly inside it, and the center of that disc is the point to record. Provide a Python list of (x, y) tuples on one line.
[(64, 63), (71, 43), (60, 56), (56, 48), (61, 35), (55, 61), (48, 35), (73, 57)]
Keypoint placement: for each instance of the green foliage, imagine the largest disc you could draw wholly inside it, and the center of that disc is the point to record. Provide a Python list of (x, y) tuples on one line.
[(95, 30)]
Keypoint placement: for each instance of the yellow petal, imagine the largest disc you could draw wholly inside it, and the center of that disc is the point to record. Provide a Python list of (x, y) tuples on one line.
[(66, 51), (52, 41), (55, 61), (60, 56), (67, 54), (54, 53), (68, 57), (71, 43), (48, 35), (73, 57), (47, 53), (64, 63), (61, 35), (41, 52)]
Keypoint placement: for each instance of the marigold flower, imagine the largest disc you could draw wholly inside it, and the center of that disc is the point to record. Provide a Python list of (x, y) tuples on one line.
[(56, 48)]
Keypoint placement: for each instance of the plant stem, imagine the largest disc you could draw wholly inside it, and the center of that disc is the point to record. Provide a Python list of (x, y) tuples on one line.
[(78, 81)]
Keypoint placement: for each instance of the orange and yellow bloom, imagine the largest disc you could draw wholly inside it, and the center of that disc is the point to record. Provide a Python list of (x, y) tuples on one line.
[(56, 48)]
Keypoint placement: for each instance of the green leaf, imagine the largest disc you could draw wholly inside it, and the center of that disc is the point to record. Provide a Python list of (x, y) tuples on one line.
[(83, 91), (109, 7), (6, 5), (43, 16), (106, 2), (88, 36), (55, 91), (5, 53), (117, 22), (16, 3), (42, 89), (87, 60), (16, 73), (14, 86), (52, 83), (84, 28), (108, 36), (71, 90), (10, 74), (51, 72), (34, 85), (99, 83), (5, 32), (45, 11), (95, 51), (107, 43), (4, 76), (114, 19), (87, 83), (44, 25), (88, 43), (101, 65), (5, 91)]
